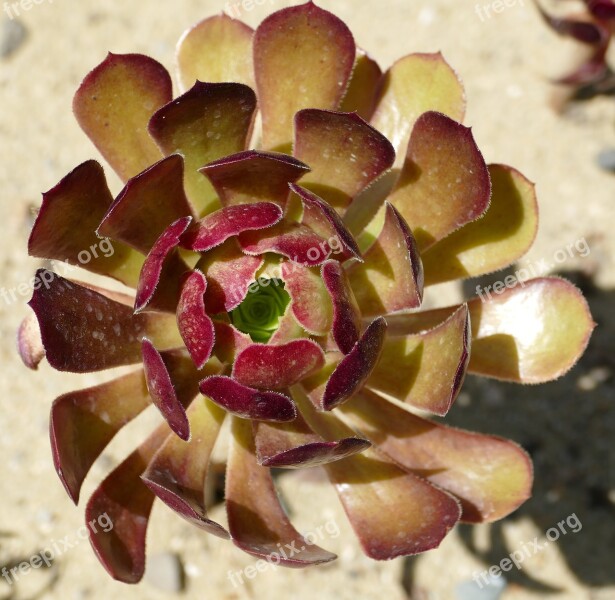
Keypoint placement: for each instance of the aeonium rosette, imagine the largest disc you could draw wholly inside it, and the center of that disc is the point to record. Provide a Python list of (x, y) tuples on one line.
[(279, 288)]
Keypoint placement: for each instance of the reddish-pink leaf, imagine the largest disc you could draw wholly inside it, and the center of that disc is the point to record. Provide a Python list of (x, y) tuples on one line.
[(345, 153), (310, 302), (354, 369), (257, 521), (303, 58), (297, 242), (147, 205), (195, 326), (346, 314), (592, 71), (114, 104), (254, 176), (601, 9), (229, 274), (153, 267), (219, 226), (582, 31), (229, 342), (162, 391), (246, 402), (324, 220), (83, 330), (277, 367)]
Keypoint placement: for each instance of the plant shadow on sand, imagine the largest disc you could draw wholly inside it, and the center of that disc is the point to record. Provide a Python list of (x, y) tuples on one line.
[(568, 428)]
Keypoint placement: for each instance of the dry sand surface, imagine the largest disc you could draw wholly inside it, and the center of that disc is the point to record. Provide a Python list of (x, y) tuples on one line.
[(568, 426)]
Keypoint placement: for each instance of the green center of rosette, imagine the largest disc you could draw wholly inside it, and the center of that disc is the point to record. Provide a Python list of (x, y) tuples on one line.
[(259, 314)]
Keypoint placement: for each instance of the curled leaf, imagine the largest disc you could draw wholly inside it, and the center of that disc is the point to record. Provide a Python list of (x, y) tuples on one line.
[(433, 364), (531, 333), (219, 226), (257, 521), (195, 326), (444, 182), (295, 445), (162, 391), (390, 278), (355, 368), (254, 176), (177, 472), (246, 402)]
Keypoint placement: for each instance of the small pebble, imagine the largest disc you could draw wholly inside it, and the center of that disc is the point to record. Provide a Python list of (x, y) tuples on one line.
[(492, 590), (12, 35), (45, 517), (464, 399), (165, 572), (606, 159), (593, 378)]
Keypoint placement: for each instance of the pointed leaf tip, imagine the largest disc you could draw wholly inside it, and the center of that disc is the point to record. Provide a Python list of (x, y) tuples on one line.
[(162, 390)]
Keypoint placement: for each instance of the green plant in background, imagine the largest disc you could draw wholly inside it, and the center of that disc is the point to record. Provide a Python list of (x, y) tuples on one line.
[(279, 254)]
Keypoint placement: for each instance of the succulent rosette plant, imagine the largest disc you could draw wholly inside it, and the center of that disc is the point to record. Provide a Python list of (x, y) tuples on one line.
[(594, 28), (279, 256)]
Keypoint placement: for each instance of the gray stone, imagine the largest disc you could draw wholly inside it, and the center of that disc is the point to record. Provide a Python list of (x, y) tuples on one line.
[(165, 572), (12, 35)]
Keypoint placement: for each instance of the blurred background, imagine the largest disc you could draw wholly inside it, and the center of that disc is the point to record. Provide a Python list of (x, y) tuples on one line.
[(505, 59)]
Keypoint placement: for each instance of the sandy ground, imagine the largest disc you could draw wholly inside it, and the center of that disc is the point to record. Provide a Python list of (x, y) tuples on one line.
[(568, 426)]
